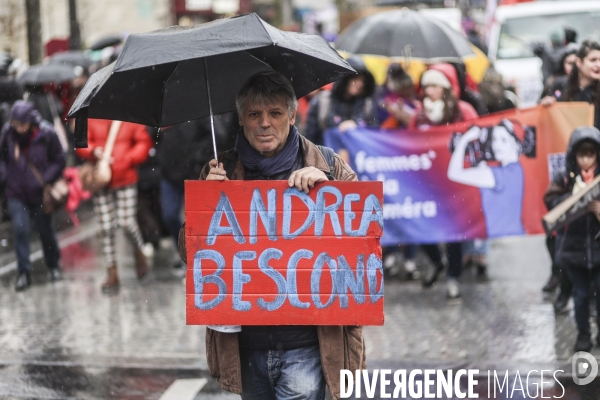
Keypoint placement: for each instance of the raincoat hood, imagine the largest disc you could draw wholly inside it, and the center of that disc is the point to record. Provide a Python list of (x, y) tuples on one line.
[(579, 135), (24, 111), (339, 87), (450, 72)]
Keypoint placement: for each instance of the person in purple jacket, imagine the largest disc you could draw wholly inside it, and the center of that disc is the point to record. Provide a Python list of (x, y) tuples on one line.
[(25, 139)]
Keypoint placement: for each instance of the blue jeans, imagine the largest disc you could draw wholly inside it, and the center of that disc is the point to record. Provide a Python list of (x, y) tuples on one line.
[(171, 198), (282, 375), (584, 280), (20, 214)]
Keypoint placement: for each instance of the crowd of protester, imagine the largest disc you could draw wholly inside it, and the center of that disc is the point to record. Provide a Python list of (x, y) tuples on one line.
[(445, 94), (149, 166), (145, 195)]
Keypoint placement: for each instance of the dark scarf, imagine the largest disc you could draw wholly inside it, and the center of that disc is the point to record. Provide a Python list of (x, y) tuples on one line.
[(24, 139), (277, 164)]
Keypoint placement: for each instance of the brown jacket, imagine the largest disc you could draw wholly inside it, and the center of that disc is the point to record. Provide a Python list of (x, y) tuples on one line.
[(222, 349)]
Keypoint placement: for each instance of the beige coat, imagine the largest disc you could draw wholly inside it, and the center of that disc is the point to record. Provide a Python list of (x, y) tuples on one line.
[(222, 349)]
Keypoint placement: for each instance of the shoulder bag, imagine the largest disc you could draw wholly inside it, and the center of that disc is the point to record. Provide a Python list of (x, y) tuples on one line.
[(96, 175), (54, 195)]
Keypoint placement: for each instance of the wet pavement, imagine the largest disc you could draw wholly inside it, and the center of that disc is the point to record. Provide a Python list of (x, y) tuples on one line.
[(67, 340)]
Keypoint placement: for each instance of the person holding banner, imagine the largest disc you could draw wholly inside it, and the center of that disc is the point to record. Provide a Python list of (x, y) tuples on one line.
[(583, 83), (396, 105), (441, 106), (278, 362), (396, 100), (348, 105), (577, 249)]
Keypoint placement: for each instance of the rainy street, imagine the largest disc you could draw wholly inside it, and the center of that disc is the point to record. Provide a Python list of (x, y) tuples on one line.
[(68, 340), (299, 199)]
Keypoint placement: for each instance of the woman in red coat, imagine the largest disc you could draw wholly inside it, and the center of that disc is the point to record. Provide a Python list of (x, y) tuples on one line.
[(116, 205)]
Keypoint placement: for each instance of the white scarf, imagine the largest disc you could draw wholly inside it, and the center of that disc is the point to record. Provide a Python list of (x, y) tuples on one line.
[(434, 110)]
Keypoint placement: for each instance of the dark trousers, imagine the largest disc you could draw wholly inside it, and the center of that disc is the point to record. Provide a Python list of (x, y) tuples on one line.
[(149, 215), (560, 272), (171, 196), (551, 246), (21, 215), (453, 251), (585, 283)]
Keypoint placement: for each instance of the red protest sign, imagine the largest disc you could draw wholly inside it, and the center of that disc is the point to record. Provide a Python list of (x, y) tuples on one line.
[(260, 253)]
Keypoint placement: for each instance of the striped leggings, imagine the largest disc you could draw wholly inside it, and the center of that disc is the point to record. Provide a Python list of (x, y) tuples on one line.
[(124, 202)]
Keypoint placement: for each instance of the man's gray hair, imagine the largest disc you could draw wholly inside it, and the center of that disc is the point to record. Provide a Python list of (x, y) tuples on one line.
[(264, 88)]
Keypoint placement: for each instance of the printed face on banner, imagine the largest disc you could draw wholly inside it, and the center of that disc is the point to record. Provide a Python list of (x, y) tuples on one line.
[(501, 186), (477, 179), (267, 254)]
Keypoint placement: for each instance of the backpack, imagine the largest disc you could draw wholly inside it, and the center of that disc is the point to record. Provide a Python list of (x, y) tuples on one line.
[(230, 159)]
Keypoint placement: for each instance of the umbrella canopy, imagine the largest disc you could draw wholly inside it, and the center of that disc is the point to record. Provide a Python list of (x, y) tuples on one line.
[(106, 41), (73, 58), (476, 65), (42, 74), (182, 73), (404, 33)]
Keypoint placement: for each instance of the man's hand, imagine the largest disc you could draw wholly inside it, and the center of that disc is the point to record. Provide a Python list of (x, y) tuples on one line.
[(216, 173), (347, 125), (304, 179), (548, 101), (594, 207)]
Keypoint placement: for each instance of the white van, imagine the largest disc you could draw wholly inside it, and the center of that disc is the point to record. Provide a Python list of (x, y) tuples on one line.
[(516, 27)]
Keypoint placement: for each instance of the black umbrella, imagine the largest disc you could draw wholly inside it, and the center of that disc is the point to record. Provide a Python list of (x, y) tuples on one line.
[(42, 74), (106, 41), (182, 73), (404, 33), (71, 58)]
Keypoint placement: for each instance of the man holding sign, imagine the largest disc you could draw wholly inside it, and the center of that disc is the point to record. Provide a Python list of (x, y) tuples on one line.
[(279, 362)]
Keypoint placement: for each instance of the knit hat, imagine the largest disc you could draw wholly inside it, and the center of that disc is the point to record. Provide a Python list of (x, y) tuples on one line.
[(434, 77), (24, 111)]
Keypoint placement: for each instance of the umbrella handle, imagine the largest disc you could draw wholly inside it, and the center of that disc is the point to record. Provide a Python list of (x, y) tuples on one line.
[(212, 122)]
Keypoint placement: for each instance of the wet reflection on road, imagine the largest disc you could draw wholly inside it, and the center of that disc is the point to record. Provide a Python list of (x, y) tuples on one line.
[(68, 340)]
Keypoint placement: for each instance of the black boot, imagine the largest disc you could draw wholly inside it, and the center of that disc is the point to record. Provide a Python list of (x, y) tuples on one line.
[(584, 342), (561, 303), (23, 282), (552, 284), (432, 276)]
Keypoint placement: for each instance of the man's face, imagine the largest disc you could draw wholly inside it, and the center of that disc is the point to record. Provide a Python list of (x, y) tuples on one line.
[(267, 126), (20, 126)]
